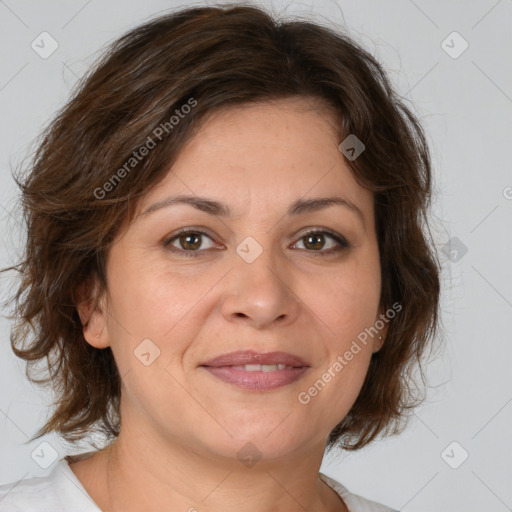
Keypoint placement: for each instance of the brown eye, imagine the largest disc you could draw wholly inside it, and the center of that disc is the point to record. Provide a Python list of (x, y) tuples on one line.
[(187, 242), (315, 241), (190, 241)]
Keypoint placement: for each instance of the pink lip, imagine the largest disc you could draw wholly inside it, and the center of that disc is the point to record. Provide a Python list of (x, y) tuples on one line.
[(259, 381), (222, 368), (243, 357)]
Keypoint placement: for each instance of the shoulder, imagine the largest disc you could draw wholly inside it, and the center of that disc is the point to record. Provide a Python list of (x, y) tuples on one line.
[(59, 491), (354, 502), (30, 495)]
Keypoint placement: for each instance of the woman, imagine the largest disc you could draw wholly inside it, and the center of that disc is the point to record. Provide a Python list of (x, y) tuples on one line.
[(226, 261)]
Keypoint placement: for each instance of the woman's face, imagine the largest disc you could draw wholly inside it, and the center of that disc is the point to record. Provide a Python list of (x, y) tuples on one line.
[(249, 281)]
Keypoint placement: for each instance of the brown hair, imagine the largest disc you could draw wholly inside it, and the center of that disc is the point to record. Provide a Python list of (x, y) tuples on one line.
[(212, 58)]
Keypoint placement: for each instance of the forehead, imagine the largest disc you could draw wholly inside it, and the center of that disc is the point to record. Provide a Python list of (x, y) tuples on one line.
[(264, 156)]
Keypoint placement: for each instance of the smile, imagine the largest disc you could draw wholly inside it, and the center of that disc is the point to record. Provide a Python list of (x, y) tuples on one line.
[(257, 377)]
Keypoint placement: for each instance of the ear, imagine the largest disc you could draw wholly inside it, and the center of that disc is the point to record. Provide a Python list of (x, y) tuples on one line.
[(93, 314), (378, 339)]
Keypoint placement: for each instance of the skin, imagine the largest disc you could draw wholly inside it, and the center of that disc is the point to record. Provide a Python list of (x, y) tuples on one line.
[(181, 426)]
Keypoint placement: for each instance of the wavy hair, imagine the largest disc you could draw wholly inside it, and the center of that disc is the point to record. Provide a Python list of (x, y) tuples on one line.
[(220, 57)]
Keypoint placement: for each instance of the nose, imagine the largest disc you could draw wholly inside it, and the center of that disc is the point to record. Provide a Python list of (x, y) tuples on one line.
[(260, 294)]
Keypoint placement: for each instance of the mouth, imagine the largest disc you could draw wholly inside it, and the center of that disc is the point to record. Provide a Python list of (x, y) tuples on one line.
[(251, 370), (251, 357)]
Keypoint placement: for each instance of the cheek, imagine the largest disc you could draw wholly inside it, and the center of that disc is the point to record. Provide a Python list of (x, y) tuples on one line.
[(148, 298), (148, 302), (332, 389), (346, 304), (348, 300)]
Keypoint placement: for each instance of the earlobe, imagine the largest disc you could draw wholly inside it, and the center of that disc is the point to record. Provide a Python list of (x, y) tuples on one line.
[(92, 314), (95, 331), (378, 340)]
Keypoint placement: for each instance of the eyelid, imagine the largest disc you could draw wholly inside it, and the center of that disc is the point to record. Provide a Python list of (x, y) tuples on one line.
[(319, 229), (183, 231), (343, 243)]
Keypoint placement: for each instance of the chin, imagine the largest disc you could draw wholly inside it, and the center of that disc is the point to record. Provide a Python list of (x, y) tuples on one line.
[(259, 441)]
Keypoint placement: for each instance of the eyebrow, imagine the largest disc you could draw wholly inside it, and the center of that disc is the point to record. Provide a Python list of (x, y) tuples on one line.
[(219, 209)]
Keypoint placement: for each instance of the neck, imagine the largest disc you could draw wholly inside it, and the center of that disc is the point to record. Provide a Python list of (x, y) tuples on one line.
[(201, 481)]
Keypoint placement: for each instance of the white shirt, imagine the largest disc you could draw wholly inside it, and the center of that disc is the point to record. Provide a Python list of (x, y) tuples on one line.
[(61, 491)]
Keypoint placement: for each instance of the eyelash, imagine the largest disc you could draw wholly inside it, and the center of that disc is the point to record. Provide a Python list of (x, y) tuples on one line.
[(343, 244)]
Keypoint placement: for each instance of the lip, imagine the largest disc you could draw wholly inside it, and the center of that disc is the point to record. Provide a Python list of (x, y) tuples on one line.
[(243, 357), (257, 380), (222, 368)]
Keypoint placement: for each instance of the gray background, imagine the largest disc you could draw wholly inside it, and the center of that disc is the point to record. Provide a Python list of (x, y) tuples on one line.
[(464, 101)]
